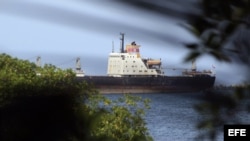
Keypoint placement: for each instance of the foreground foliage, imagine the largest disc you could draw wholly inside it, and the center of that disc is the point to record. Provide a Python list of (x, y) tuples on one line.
[(46, 103), (221, 28), (120, 119), (222, 107)]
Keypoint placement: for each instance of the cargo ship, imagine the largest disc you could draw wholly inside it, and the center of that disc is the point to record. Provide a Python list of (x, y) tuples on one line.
[(128, 72)]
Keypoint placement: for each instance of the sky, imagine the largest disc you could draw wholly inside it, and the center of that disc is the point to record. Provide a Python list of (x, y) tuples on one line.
[(59, 31)]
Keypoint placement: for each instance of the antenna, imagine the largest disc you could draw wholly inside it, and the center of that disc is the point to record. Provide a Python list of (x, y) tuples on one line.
[(122, 42)]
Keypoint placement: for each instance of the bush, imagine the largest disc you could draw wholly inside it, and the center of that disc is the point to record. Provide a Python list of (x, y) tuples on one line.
[(47, 103)]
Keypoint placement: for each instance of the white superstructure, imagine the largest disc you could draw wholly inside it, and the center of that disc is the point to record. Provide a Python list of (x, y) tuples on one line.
[(129, 63)]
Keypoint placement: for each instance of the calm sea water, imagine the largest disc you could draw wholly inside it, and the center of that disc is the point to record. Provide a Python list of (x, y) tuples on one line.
[(172, 116)]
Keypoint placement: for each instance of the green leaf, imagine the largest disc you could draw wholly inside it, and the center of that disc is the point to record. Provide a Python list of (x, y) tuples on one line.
[(192, 46), (220, 56), (192, 56)]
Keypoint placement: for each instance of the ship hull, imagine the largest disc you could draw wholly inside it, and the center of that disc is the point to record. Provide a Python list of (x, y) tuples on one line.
[(159, 84)]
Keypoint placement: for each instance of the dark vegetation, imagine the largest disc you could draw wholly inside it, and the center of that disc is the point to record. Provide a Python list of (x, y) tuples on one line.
[(222, 29), (46, 103)]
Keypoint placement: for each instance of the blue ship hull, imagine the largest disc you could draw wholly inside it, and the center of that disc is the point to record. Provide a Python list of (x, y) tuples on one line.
[(145, 84)]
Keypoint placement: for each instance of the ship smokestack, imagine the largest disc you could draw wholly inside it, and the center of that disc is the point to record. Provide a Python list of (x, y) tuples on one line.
[(122, 42)]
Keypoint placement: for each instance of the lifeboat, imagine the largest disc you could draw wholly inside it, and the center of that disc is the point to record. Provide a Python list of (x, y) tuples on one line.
[(154, 62)]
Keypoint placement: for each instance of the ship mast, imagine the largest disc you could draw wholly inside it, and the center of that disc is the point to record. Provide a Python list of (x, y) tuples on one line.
[(78, 64), (38, 61), (113, 49), (79, 72), (122, 42), (193, 65)]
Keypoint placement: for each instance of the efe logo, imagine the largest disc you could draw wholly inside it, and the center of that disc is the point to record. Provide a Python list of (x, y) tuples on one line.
[(237, 132)]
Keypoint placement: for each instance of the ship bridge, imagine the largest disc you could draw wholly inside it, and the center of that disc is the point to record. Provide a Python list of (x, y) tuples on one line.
[(130, 63)]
